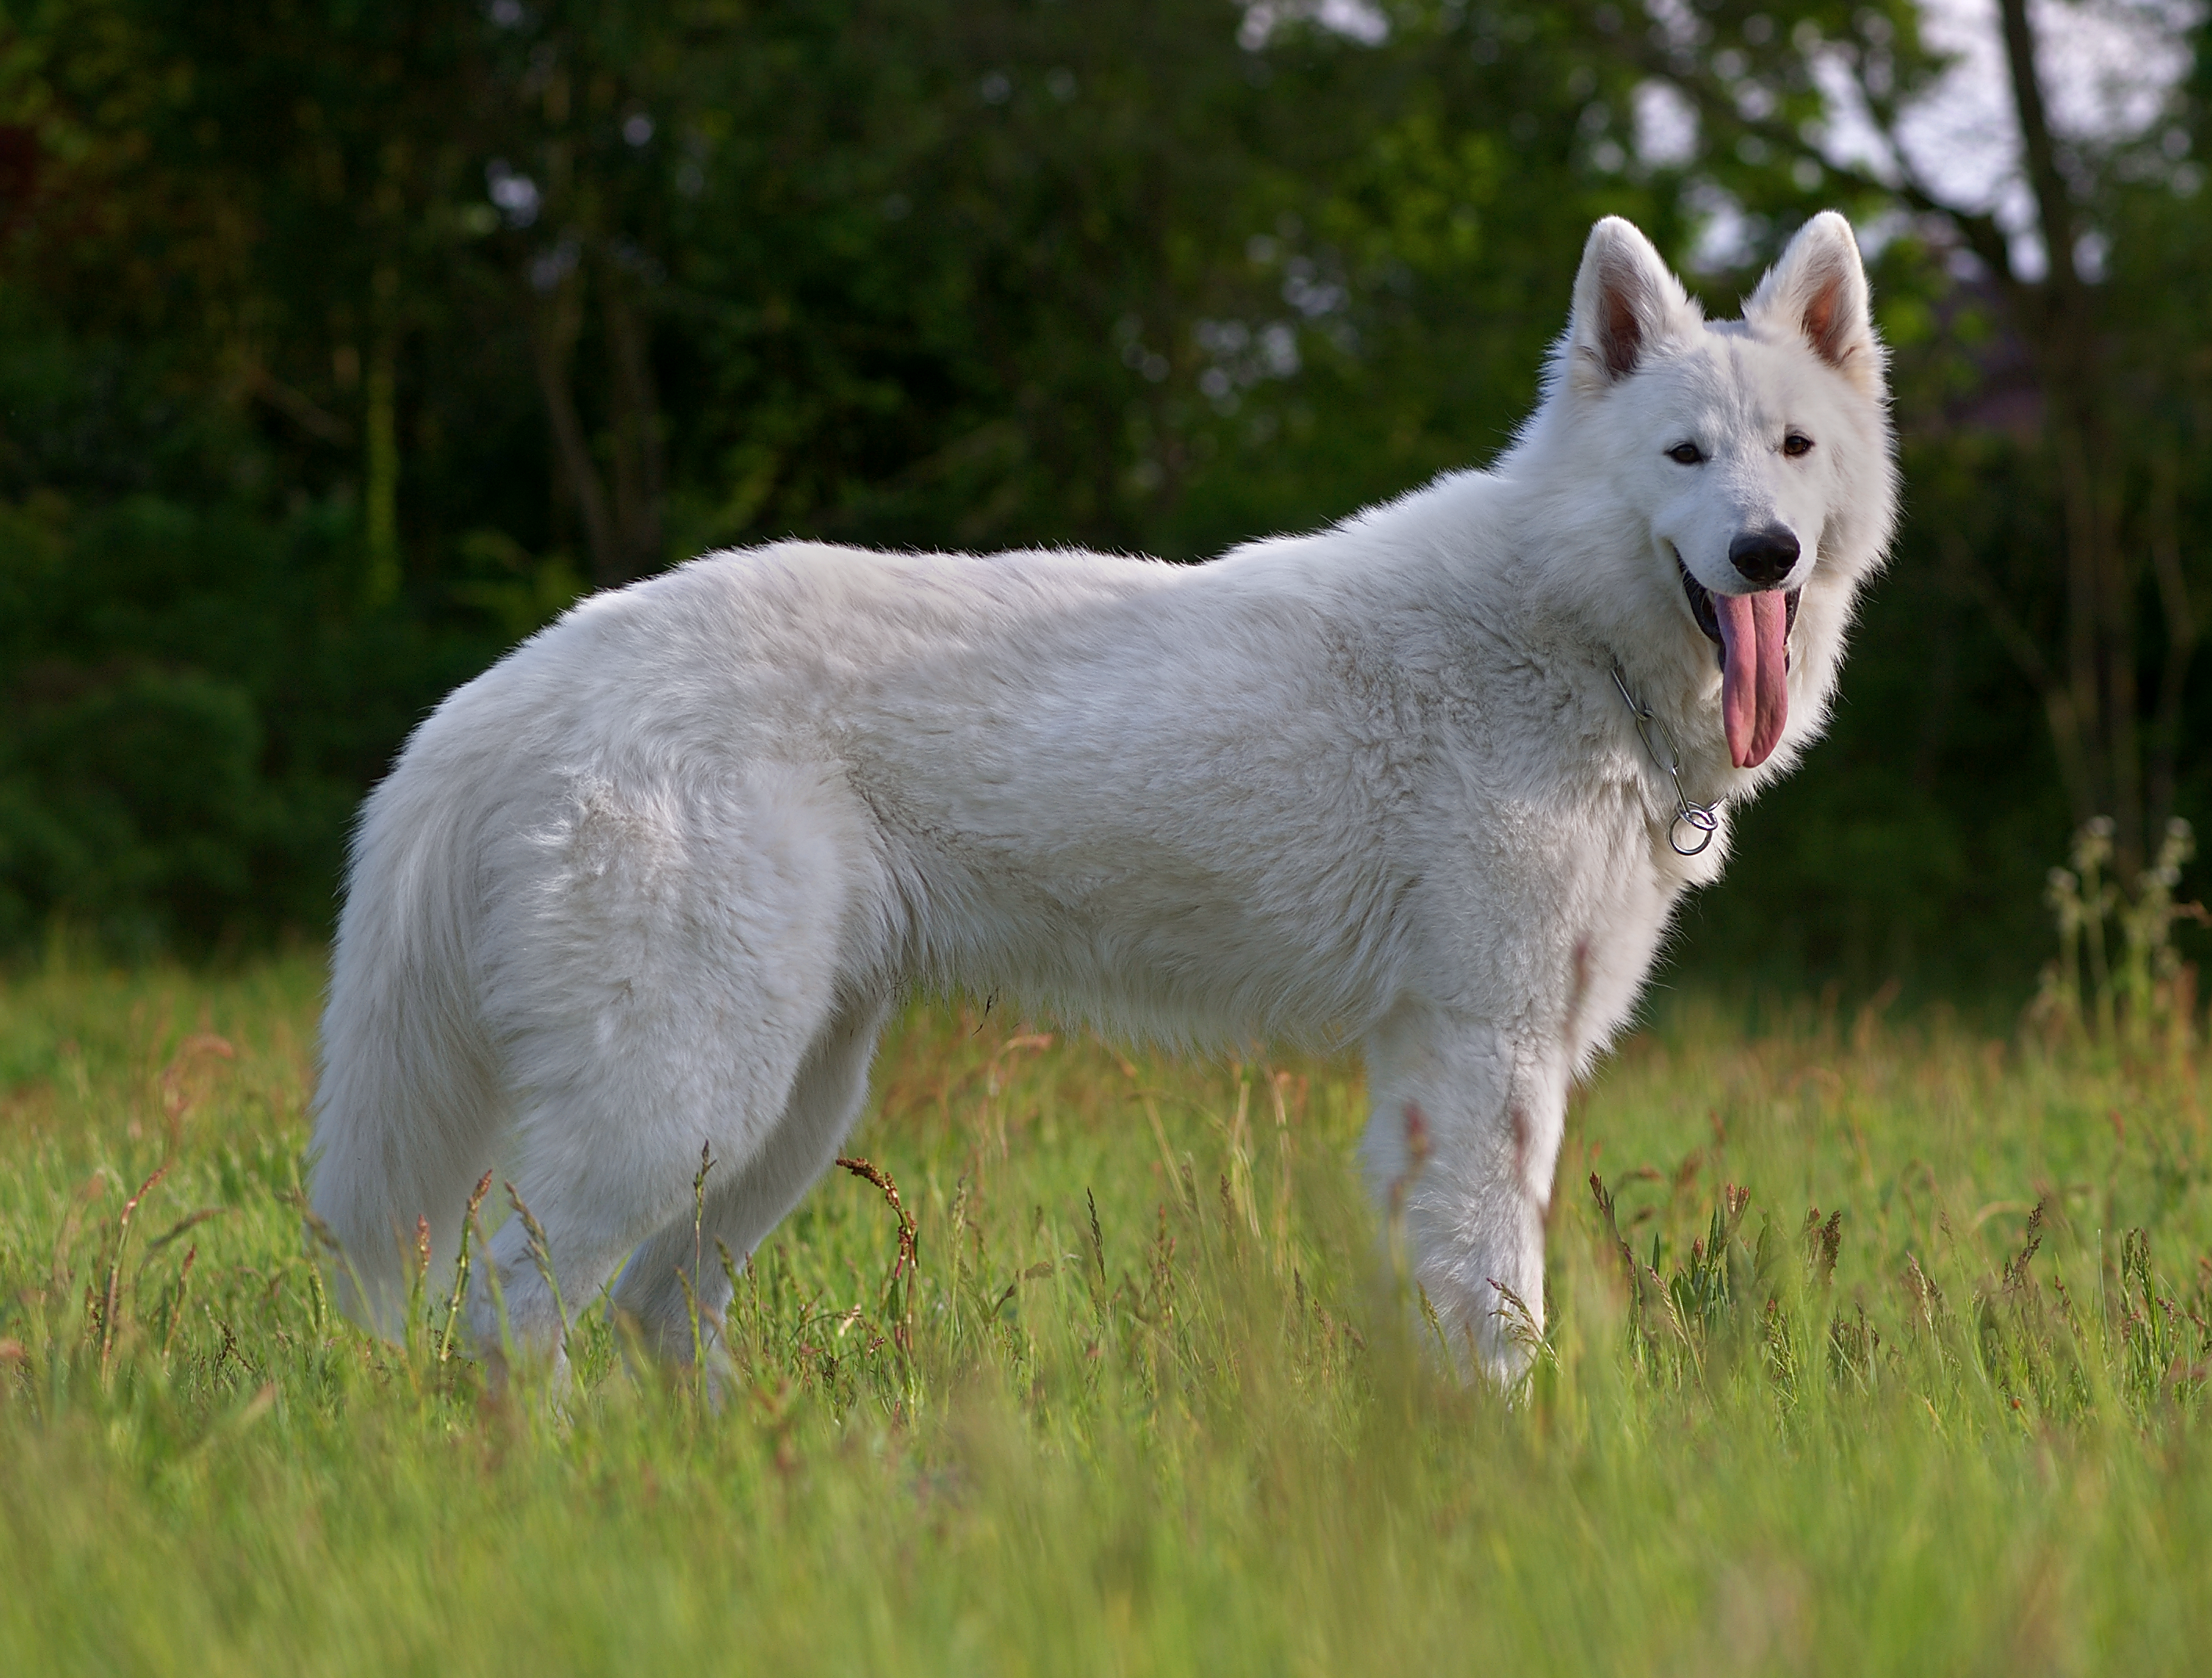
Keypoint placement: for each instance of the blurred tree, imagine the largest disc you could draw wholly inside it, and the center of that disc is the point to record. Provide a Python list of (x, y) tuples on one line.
[(337, 345), (340, 347)]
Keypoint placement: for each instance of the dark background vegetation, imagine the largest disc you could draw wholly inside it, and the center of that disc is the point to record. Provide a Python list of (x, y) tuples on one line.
[(342, 344)]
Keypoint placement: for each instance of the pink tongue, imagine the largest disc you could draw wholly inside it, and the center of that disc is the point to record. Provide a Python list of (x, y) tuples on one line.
[(1754, 673)]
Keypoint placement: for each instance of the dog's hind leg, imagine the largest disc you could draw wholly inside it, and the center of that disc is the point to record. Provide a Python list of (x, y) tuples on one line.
[(753, 1195), (1462, 1145), (607, 1157), (661, 993)]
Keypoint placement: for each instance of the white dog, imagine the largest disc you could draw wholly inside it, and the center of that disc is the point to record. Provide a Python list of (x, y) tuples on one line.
[(1431, 780)]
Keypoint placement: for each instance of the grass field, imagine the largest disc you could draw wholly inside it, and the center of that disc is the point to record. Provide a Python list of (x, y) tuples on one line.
[(1152, 1400)]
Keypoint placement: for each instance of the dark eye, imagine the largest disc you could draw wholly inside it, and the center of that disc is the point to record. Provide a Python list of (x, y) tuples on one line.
[(1796, 443), (1688, 454)]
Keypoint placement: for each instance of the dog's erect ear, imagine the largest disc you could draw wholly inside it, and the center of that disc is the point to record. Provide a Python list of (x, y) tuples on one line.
[(1626, 304), (1818, 291)]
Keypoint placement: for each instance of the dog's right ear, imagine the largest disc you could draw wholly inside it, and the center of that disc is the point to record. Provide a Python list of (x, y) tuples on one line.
[(1626, 304)]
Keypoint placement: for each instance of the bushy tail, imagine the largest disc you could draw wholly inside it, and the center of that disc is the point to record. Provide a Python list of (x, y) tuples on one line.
[(408, 1110)]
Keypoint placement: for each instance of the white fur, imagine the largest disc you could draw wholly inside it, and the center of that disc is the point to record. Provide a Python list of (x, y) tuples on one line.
[(654, 881)]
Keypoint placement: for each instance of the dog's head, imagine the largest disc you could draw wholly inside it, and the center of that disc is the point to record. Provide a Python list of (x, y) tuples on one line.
[(1753, 456)]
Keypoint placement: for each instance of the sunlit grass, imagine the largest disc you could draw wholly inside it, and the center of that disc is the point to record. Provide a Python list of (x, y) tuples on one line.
[(1151, 1399)]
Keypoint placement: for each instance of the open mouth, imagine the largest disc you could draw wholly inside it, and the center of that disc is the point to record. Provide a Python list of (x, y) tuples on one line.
[(1709, 619)]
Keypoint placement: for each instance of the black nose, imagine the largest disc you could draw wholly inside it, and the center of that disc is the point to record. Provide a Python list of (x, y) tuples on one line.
[(1765, 556)]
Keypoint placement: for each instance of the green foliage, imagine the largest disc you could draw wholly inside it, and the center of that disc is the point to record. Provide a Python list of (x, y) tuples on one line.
[(341, 347), (179, 763), (1119, 1384)]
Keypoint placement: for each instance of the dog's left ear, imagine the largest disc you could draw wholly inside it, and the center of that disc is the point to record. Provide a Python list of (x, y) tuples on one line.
[(1818, 291)]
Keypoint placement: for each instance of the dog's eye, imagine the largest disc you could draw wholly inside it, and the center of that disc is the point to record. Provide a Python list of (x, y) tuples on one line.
[(1687, 454), (1796, 443)]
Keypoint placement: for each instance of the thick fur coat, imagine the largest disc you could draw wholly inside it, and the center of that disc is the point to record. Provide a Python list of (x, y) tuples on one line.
[(654, 881)]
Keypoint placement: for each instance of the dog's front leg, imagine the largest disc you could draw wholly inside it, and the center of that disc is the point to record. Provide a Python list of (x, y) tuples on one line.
[(1462, 1145)]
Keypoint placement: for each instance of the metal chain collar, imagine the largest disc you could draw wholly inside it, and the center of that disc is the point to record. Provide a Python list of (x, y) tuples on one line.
[(1701, 819)]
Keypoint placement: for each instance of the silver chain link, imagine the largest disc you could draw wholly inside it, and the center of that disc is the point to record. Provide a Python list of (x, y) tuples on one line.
[(1701, 819)]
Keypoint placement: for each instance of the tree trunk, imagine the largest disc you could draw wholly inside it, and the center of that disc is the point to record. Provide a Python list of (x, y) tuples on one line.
[(637, 440), (381, 450), (2057, 320), (555, 325), (2180, 645)]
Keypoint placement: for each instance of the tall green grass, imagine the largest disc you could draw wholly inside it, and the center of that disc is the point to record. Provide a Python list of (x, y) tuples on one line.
[(1882, 1349)]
